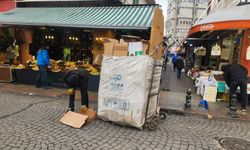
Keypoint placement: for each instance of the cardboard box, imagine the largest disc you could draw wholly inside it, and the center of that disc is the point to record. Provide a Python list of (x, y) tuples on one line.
[(121, 47), (91, 113), (120, 53), (145, 47), (108, 48)]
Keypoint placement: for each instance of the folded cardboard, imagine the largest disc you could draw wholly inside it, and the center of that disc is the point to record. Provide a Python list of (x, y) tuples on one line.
[(73, 119), (91, 113)]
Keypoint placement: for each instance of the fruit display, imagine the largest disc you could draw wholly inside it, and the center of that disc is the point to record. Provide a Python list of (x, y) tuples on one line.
[(60, 66), (20, 66)]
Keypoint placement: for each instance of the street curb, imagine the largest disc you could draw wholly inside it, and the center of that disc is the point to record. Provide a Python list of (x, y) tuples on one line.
[(189, 113)]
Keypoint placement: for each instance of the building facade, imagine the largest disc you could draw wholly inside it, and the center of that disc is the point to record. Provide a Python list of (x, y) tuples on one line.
[(6, 5), (181, 15), (216, 5), (138, 1)]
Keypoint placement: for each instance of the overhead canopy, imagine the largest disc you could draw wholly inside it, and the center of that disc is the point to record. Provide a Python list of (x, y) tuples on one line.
[(232, 18), (112, 17)]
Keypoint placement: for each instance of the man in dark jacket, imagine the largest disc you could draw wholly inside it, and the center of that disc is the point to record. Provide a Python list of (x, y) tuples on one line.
[(77, 79), (236, 76), (179, 66)]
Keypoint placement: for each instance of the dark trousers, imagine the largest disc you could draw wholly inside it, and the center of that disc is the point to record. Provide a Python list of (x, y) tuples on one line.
[(242, 83), (174, 65), (41, 80), (179, 73), (84, 96)]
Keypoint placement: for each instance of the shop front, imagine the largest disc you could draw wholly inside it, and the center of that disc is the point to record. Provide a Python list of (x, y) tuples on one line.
[(220, 38), (76, 37)]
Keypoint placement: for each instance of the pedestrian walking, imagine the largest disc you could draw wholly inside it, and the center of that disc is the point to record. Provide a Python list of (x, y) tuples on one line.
[(179, 66), (43, 64), (77, 79), (174, 59), (235, 76)]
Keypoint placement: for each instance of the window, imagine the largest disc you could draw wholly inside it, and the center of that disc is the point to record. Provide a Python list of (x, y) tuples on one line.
[(135, 1)]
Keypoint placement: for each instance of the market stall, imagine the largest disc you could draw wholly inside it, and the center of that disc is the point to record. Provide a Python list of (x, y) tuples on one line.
[(219, 39), (79, 41)]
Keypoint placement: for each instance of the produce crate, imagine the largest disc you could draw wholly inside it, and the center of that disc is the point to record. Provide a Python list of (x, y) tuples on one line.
[(221, 86)]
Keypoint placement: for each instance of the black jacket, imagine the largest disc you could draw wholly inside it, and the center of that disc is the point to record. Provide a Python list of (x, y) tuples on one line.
[(235, 72), (179, 64), (76, 78)]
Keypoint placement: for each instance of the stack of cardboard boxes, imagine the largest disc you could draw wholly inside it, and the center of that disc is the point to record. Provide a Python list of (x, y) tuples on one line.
[(113, 47)]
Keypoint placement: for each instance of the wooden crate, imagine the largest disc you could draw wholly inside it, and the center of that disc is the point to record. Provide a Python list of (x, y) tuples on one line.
[(5, 74)]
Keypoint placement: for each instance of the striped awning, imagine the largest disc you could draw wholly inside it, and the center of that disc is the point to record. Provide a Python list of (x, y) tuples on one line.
[(111, 17)]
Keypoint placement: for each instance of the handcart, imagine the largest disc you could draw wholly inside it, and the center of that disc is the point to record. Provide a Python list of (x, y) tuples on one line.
[(151, 122)]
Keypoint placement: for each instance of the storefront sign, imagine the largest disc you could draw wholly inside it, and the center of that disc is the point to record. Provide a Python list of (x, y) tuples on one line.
[(135, 49), (207, 27), (248, 53), (216, 50), (200, 51)]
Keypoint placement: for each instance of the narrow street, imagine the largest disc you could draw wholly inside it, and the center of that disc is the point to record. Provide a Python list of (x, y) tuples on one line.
[(32, 122)]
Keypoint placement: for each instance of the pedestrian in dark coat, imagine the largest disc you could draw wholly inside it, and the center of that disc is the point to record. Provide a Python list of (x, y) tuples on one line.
[(235, 76), (77, 79), (179, 66), (174, 59)]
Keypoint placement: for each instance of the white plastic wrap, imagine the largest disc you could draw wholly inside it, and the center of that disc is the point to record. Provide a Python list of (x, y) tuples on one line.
[(124, 88)]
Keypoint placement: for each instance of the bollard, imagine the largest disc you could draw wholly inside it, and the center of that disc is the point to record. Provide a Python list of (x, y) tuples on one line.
[(233, 107), (188, 100)]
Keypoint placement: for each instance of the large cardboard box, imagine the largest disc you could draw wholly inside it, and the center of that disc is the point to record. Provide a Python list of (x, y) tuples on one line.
[(108, 48)]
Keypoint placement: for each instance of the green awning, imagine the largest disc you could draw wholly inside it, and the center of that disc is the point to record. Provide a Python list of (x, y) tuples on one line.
[(111, 17)]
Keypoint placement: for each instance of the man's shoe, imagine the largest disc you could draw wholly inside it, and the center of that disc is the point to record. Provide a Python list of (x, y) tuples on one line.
[(69, 109), (84, 109)]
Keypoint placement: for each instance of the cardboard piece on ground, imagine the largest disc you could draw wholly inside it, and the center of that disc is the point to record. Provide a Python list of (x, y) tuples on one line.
[(91, 113), (73, 119)]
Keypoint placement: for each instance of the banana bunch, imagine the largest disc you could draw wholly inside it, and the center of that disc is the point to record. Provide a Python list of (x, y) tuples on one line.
[(93, 71), (35, 68), (20, 66)]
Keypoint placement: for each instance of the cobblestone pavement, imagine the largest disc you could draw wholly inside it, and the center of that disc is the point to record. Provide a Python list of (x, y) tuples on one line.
[(29, 122)]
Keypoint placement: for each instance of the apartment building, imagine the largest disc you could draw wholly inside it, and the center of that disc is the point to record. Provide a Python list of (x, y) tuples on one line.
[(181, 15), (138, 1), (215, 5)]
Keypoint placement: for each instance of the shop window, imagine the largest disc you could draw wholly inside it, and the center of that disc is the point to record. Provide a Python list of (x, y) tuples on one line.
[(135, 1)]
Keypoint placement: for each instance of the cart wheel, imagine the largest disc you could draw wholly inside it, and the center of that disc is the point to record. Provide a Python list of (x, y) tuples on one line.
[(151, 126), (163, 115)]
